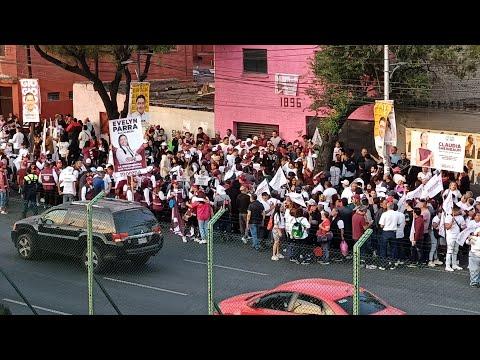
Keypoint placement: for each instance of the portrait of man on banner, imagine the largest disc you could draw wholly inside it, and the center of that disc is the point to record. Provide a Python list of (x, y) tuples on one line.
[(139, 105), (30, 100), (384, 130)]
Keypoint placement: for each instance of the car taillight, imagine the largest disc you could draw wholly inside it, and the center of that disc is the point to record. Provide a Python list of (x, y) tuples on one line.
[(157, 229), (119, 237)]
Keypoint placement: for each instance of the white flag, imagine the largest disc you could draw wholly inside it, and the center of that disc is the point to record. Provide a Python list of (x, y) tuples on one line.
[(415, 193), (317, 139), (278, 180), (262, 187), (401, 203), (448, 204), (433, 187), (464, 235), (297, 198)]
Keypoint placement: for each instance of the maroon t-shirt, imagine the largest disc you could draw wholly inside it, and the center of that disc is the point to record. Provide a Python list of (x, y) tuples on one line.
[(358, 223)]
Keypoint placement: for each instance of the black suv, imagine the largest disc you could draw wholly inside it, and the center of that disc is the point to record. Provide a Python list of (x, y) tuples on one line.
[(122, 230)]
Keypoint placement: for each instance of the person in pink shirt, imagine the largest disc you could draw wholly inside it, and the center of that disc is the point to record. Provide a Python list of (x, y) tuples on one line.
[(204, 213)]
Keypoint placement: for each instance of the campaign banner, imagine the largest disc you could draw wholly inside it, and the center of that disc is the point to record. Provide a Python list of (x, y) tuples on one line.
[(31, 101), (139, 106), (433, 187), (385, 128), (472, 150), (415, 194), (128, 151), (437, 150)]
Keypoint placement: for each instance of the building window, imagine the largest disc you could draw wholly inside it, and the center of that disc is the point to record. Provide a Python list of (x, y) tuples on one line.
[(53, 96), (255, 61), (2, 50), (70, 95)]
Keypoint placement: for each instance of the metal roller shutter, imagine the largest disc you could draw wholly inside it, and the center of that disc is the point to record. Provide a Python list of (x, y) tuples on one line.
[(244, 130)]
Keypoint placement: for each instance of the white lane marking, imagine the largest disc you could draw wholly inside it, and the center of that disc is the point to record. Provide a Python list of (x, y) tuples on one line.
[(227, 267), (454, 308), (145, 286), (36, 307)]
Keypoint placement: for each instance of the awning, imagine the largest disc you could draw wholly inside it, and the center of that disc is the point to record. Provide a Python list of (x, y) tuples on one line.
[(363, 113)]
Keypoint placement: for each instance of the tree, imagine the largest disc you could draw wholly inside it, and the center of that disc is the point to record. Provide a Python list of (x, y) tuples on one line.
[(83, 60), (349, 76)]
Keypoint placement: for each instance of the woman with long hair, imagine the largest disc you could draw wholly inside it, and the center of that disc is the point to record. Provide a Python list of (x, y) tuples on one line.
[(278, 231)]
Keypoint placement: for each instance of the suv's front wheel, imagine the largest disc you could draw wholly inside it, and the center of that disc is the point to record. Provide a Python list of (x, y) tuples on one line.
[(98, 261), (26, 246)]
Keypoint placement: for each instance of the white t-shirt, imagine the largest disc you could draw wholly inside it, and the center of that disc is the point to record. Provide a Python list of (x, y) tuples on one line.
[(401, 225), (456, 228), (318, 188), (67, 179), (389, 220), (347, 193)]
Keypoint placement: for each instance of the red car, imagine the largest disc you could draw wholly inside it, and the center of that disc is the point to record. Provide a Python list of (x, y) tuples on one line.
[(307, 297)]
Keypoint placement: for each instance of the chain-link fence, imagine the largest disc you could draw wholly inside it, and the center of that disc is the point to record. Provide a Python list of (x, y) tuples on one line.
[(134, 274), (412, 277)]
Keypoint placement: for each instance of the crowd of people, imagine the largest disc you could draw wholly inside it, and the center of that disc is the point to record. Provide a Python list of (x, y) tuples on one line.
[(274, 196)]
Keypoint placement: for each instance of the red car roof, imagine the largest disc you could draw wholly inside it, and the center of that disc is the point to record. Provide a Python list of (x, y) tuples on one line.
[(321, 288)]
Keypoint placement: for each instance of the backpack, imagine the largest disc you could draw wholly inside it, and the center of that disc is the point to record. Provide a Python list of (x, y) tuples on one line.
[(297, 230)]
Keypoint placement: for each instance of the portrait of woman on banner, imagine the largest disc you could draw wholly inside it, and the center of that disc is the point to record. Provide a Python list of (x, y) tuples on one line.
[(390, 130), (124, 154), (424, 154)]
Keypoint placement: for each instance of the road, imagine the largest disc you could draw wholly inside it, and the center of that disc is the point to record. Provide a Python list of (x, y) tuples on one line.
[(175, 281)]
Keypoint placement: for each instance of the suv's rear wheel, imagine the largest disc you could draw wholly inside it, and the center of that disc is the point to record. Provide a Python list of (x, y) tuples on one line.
[(140, 260), (98, 261), (26, 246)]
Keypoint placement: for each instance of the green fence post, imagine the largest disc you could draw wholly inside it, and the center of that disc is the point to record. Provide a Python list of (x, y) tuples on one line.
[(90, 250), (356, 269), (211, 288)]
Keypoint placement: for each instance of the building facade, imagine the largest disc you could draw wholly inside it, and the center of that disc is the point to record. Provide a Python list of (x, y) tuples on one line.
[(262, 87)]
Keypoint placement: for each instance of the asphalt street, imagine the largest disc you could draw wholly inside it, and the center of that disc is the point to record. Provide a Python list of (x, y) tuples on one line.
[(175, 281)]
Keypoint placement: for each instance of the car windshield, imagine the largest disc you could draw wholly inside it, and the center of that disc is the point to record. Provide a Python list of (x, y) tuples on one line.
[(132, 221), (369, 304)]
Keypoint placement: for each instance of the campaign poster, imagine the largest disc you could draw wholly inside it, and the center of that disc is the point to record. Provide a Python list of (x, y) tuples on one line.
[(128, 146), (31, 101), (384, 130), (437, 150), (139, 106)]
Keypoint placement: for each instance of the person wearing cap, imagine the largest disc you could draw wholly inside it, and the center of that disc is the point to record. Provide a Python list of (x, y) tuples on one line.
[(359, 225), (30, 187), (98, 181), (347, 192)]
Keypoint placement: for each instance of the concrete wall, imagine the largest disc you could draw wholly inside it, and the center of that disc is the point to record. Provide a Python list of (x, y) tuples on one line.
[(87, 103)]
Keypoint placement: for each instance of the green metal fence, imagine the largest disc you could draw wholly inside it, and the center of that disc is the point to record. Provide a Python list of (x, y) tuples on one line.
[(211, 287), (356, 268), (90, 205)]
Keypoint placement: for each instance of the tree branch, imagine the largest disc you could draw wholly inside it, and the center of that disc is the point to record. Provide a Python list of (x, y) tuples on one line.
[(74, 69), (146, 68), (128, 79)]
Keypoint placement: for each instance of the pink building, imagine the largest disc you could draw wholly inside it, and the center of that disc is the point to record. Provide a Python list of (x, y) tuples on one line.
[(262, 87)]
